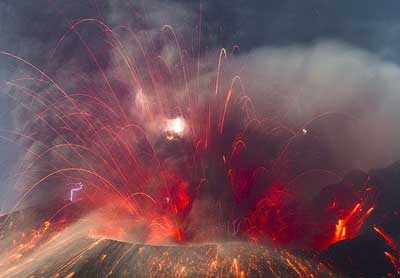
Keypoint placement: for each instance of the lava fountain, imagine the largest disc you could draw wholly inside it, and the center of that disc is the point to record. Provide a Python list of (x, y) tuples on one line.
[(167, 151)]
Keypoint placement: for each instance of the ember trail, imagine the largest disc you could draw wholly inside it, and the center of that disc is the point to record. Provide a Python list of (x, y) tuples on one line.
[(184, 161)]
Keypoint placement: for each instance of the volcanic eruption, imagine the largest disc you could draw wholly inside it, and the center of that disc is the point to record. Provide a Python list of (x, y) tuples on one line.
[(154, 156)]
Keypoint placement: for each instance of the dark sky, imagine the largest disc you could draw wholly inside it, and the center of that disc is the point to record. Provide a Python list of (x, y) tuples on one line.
[(31, 29), (367, 24)]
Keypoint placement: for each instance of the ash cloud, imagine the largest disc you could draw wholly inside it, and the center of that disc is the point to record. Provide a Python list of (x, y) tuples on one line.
[(307, 59), (299, 83)]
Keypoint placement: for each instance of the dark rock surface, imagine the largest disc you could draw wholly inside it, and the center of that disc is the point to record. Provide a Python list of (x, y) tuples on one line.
[(106, 258), (364, 255)]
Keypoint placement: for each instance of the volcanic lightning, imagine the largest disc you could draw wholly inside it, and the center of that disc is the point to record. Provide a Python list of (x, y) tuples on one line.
[(78, 188)]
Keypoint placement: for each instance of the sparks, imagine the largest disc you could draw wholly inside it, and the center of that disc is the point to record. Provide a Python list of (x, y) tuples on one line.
[(386, 237), (234, 157)]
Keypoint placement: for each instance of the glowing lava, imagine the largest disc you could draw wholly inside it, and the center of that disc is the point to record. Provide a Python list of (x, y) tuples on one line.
[(225, 165)]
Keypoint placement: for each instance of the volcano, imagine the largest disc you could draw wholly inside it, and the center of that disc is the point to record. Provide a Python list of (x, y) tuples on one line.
[(56, 244), (148, 143)]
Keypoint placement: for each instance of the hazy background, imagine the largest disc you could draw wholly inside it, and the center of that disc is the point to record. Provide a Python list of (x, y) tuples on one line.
[(338, 55)]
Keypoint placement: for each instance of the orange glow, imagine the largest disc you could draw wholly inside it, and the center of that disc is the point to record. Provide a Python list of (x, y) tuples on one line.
[(348, 226), (386, 237), (394, 261)]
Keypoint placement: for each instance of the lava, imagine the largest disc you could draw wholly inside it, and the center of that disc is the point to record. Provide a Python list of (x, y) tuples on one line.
[(158, 167), (218, 171)]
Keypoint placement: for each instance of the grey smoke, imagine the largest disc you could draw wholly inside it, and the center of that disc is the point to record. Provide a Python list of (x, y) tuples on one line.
[(331, 76)]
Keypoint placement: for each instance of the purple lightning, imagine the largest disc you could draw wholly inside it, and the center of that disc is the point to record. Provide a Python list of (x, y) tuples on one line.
[(80, 186)]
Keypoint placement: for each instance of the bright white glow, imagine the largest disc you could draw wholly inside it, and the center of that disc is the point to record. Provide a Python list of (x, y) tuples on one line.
[(175, 127), (78, 188)]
